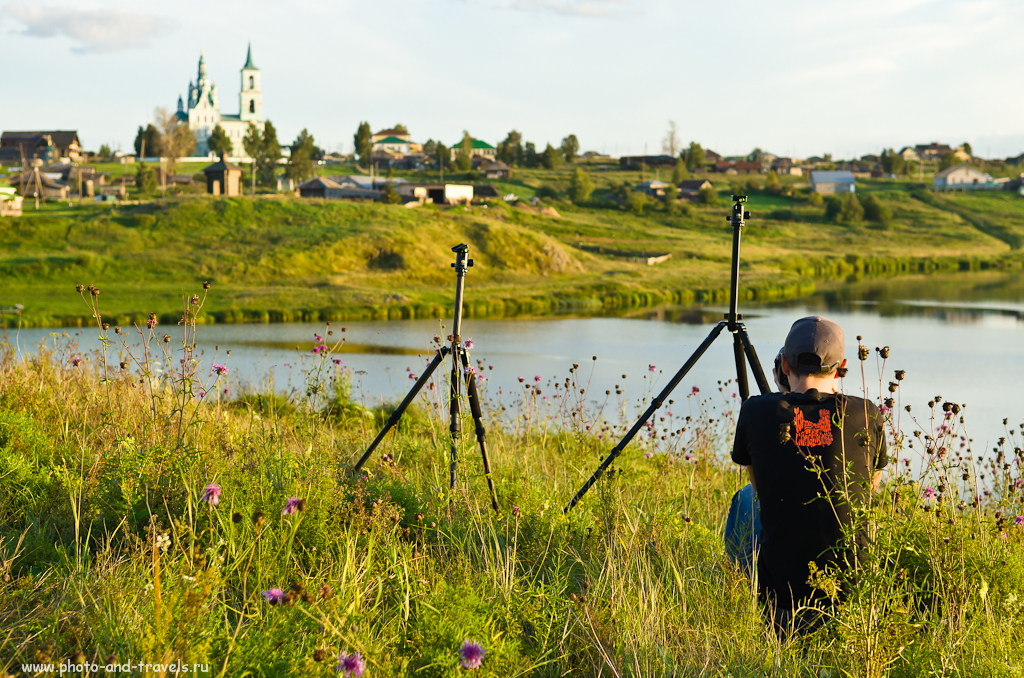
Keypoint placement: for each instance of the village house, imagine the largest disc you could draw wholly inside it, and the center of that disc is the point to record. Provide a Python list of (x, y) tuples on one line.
[(479, 148), (786, 166), (58, 146), (691, 188), (495, 170), (653, 188), (962, 177), (829, 183)]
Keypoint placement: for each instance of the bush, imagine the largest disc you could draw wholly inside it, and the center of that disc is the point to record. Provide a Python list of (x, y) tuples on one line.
[(876, 210), (846, 209), (389, 196), (815, 199), (547, 191), (783, 215), (707, 196), (145, 178), (580, 187), (637, 202)]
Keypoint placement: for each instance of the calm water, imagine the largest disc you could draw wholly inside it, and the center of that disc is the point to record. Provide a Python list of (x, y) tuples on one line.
[(958, 337)]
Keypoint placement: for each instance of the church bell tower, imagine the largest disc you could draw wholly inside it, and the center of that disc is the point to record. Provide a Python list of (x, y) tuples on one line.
[(251, 97)]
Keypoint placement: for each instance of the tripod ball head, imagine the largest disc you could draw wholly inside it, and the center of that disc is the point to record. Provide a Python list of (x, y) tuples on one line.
[(461, 260)]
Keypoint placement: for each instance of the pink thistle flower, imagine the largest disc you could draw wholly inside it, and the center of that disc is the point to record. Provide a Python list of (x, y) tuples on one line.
[(351, 664), (274, 596), (521, 380), (220, 370), (694, 391), (537, 378), (651, 368), (472, 655), (337, 361), (432, 386), (929, 493), (227, 391), (412, 376), (649, 455), (1019, 521), (211, 494), (293, 506), (202, 394), (76, 361), (468, 344)]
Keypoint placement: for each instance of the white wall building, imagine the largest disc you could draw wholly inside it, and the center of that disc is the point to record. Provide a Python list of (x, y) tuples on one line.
[(203, 113), (962, 177)]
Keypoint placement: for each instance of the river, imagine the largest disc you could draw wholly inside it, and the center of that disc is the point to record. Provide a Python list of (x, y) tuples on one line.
[(957, 336)]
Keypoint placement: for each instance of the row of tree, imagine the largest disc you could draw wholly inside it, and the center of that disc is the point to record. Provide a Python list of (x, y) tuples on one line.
[(513, 151)]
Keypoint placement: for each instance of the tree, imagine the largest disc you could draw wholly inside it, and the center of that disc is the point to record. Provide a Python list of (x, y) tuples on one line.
[(948, 160), (671, 199), (430, 148), (772, 183), (443, 155), (363, 145), (847, 209), (671, 145), (636, 201), (580, 187), (756, 155), (833, 207), (105, 151), (875, 210), (151, 136), (145, 178), (305, 138), (551, 158), (708, 196), (510, 151), (401, 129), (389, 196), (464, 156), (892, 162), (219, 142), (679, 172), (253, 145), (570, 147), (270, 153), (300, 164), (530, 156), (695, 157), (815, 199), (178, 141), (967, 149)]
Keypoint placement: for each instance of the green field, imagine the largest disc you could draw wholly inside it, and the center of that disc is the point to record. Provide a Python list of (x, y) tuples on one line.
[(272, 257)]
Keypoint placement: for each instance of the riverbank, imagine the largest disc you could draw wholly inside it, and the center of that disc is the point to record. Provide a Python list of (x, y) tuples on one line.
[(274, 259)]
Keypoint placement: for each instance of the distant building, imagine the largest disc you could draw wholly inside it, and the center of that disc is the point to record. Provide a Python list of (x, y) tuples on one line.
[(653, 188), (829, 183), (909, 154), (963, 177), (932, 151), (203, 112), (495, 170), (635, 162), (48, 146), (385, 133), (784, 166), (711, 157), (10, 202), (393, 145), (748, 167), (222, 178), (725, 167), (691, 188), (480, 148)]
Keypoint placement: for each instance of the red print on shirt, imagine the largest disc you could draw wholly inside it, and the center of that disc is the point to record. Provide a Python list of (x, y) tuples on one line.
[(810, 433)]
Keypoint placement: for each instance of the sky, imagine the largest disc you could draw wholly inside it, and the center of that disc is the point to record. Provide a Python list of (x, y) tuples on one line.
[(793, 77)]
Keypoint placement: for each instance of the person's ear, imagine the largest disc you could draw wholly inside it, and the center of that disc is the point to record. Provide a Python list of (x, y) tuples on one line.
[(785, 365), (841, 367)]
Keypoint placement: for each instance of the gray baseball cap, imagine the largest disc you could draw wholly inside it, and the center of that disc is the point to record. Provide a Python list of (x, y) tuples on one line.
[(814, 345)]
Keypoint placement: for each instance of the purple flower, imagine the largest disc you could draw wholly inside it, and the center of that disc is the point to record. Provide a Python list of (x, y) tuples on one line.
[(274, 596), (520, 380), (472, 655), (76, 361), (202, 394), (227, 391), (351, 664), (929, 493), (694, 391), (220, 370), (468, 343), (293, 506), (516, 511), (651, 368), (337, 361), (412, 376), (649, 455), (211, 494), (537, 378), (1019, 521)]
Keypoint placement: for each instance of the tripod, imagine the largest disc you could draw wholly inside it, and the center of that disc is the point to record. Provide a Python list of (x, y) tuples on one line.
[(460, 362), (742, 349)]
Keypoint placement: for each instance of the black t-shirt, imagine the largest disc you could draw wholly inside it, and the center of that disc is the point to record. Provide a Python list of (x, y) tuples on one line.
[(805, 448)]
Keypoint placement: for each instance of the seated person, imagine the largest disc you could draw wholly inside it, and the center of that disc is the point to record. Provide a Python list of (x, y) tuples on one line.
[(811, 454)]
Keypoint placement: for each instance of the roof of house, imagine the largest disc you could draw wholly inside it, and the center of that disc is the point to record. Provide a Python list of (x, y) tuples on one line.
[(477, 144), (319, 182), (220, 166), (59, 137), (694, 184), (653, 183), (949, 170), (390, 132), (840, 177), (391, 140), (493, 165), (747, 164)]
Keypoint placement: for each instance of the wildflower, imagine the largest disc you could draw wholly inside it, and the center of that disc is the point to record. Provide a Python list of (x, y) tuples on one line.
[(929, 493), (437, 338), (694, 391), (211, 494), (258, 519), (520, 380), (220, 370), (516, 511), (649, 455), (1019, 521), (293, 505), (472, 655), (537, 379), (206, 285), (412, 376), (351, 664), (337, 361), (326, 592), (227, 391), (163, 541), (76, 361), (274, 596), (202, 394), (468, 344)]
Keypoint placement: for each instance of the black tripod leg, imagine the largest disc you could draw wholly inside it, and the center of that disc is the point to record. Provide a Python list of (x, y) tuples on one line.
[(481, 433), (741, 366), (397, 414), (655, 404), (456, 427), (755, 364)]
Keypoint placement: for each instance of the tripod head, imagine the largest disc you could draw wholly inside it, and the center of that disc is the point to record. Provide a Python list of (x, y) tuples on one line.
[(461, 261), (738, 213)]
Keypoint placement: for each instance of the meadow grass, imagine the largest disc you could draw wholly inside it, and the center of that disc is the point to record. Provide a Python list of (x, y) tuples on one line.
[(150, 515)]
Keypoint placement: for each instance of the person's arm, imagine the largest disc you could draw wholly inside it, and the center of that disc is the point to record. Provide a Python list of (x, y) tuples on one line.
[(876, 480)]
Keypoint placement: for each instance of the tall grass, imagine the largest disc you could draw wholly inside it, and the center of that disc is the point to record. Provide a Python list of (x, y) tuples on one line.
[(112, 549)]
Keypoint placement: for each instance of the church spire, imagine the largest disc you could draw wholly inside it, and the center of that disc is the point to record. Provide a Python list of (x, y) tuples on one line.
[(249, 65)]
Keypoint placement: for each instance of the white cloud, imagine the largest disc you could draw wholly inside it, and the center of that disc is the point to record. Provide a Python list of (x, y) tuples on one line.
[(96, 31)]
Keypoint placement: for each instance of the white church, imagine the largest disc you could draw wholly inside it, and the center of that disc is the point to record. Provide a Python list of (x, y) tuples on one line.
[(203, 113)]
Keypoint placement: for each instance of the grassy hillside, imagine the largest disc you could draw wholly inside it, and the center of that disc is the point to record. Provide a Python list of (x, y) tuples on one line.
[(278, 258)]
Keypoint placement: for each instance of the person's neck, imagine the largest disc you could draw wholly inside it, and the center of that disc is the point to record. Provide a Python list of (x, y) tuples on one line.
[(807, 382)]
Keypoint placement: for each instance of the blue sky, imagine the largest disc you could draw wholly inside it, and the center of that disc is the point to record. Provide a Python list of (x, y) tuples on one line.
[(796, 77)]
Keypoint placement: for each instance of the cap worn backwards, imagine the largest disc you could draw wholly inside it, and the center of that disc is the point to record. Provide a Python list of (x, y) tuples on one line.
[(814, 345)]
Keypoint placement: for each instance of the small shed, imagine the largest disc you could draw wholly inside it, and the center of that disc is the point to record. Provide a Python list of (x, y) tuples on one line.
[(496, 170), (222, 178), (318, 187), (829, 183)]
